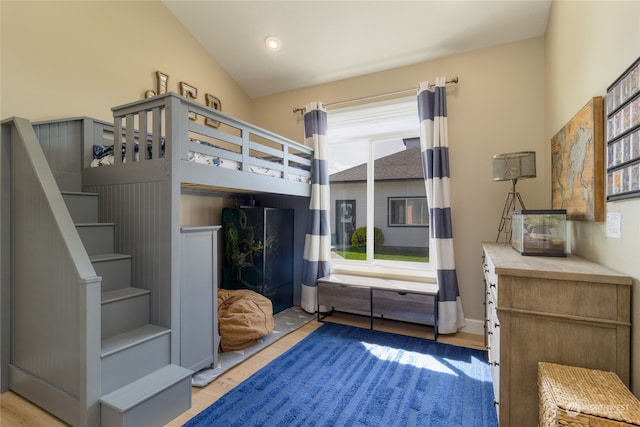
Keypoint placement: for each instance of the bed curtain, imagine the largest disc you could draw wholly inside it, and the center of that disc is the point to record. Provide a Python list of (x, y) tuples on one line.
[(434, 146), (317, 244)]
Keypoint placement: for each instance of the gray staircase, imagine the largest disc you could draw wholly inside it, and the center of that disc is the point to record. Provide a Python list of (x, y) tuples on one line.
[(139, 385)]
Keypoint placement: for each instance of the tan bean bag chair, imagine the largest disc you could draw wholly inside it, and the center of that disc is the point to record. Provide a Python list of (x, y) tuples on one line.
[(244, 316)]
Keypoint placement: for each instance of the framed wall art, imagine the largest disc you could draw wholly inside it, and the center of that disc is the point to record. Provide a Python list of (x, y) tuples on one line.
[(623, 135), (577, 162)]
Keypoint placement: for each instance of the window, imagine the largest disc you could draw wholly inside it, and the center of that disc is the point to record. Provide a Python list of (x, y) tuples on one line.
[(410, 212), (377, 185)]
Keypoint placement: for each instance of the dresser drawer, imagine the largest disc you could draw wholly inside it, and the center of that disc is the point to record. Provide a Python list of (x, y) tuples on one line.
[(344, 297), (405, 306)]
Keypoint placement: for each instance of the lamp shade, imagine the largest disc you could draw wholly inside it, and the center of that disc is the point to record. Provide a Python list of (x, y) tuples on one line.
[(512, 166)]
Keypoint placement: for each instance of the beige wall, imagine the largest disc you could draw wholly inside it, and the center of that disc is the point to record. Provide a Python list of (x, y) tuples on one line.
[(497, 107), (587, 46), (67, 59), (70, 58)]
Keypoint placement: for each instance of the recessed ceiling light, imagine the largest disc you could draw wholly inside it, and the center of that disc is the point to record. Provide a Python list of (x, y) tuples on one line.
[(272, 43)]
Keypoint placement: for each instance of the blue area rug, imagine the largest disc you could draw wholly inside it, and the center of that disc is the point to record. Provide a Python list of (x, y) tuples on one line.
[(284, 322), (345, 376)]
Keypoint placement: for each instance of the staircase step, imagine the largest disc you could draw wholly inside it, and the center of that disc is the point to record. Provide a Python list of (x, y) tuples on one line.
[(124, 309), (98, 237), (152, 400), (115, 270), (133, 354), (83, 207)]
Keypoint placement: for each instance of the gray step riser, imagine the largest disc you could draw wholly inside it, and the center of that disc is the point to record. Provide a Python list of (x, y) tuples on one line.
[(128, 365), (97, 239), (115, 273), (82, 207), (121, 316), (156, 411)]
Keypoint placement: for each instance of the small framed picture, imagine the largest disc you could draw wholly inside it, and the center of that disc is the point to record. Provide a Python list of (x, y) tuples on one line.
[(635, 177), (190, 92), (216, 104), (626, 149), (635, 112), (163, 82), (635, 144)]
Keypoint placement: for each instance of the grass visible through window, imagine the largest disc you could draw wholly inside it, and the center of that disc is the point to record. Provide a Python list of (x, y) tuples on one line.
[(386, 253)]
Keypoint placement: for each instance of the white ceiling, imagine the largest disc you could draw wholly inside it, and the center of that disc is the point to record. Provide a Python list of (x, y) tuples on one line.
[(324, 41)]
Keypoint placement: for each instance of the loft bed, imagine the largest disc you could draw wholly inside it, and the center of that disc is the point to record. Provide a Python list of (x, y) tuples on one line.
[(97, 357), (140, 190), (71, 369), (203, 148)]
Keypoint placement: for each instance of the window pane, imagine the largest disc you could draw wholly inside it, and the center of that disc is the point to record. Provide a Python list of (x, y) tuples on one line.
[(397, 212), (398, 189), (377, 187), (348, 187), (417, 212)]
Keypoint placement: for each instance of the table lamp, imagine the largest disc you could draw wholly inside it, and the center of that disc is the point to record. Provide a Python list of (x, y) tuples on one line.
[(512, 167)]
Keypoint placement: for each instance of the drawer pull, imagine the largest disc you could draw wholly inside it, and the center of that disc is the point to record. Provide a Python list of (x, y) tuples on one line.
[(402, 293)]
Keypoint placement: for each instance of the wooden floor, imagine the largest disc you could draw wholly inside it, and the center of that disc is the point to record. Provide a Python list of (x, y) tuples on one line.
[(16, 411)]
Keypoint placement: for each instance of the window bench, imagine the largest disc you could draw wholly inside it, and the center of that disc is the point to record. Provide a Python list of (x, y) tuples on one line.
[(400, 300)]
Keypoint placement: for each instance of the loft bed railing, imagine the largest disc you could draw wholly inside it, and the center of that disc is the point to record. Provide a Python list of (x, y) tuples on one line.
[(173, 127), (54, 357)]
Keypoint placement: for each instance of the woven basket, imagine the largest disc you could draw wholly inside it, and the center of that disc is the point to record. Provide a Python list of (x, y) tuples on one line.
[(571, 396)]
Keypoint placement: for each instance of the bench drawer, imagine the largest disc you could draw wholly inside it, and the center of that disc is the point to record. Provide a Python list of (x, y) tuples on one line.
[(405, 306), (344, 297)]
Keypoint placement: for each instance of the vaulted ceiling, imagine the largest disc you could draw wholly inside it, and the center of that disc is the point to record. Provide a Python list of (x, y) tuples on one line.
[(324, 41)]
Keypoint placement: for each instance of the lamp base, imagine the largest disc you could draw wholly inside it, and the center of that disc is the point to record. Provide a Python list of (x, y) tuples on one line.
[(510, 204)]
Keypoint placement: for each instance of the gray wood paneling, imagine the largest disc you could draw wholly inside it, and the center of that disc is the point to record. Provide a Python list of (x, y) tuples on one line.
[(38, 256), (61, 142), (142, 229), (55, 293)]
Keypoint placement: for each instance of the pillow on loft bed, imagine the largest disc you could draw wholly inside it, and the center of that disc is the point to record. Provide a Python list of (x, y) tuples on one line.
[(244, 316), (103, 154)]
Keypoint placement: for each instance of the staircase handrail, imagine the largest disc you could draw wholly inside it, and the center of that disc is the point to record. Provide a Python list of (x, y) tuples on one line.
[(54, 289)]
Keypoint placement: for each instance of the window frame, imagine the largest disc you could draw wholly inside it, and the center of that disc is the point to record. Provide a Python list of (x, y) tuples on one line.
[(372, 266), (390, 199)]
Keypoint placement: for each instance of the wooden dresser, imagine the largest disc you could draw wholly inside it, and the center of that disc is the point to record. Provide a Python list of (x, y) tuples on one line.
[(569, 311)]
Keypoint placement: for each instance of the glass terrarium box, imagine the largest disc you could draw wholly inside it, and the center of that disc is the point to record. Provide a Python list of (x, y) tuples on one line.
[(540, 232)]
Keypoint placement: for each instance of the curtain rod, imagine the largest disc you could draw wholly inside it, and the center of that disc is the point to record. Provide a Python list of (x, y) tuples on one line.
[(380, 95)]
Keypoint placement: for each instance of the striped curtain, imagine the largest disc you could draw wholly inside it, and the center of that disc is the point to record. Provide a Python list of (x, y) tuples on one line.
[(317, 242), (434, 145)]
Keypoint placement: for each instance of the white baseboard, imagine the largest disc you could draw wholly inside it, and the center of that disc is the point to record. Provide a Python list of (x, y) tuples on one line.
[(473, 326)]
